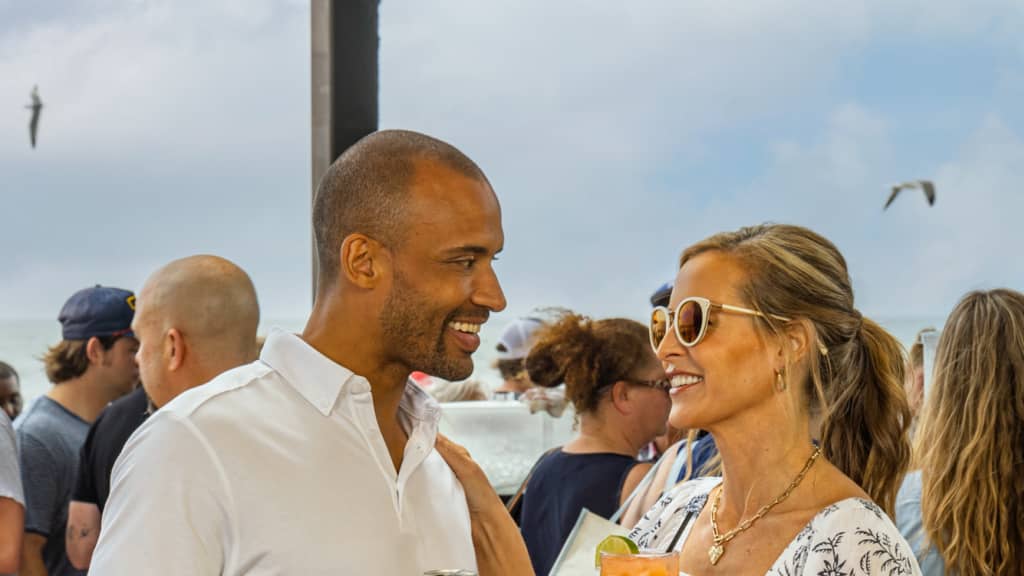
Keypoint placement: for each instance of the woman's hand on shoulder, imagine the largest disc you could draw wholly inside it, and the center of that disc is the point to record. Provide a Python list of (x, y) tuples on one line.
[(480, 496), (500, 550)]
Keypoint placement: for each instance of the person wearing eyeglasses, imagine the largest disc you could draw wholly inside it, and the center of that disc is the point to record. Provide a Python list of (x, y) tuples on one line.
[(761, 339), (690, 453), (618, 389)]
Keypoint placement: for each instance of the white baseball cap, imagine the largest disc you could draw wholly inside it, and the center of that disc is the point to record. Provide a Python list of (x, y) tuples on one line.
[(517, 338)]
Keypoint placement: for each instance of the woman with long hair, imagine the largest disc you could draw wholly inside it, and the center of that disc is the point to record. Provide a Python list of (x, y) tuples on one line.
[(619, 392), (964, 509), (762, 344)]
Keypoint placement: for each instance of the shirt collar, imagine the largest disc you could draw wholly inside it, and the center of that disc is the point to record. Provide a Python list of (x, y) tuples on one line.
[(321, 380), (417, 404)]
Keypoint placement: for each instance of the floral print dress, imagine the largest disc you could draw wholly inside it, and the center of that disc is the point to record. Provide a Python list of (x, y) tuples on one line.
[(852, 537)]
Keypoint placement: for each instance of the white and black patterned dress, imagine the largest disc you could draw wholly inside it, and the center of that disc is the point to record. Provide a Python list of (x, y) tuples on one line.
[(852, 537)]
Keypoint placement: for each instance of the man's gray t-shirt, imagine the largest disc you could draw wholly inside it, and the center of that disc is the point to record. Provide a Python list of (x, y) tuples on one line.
[(49, 440), (10, 479)]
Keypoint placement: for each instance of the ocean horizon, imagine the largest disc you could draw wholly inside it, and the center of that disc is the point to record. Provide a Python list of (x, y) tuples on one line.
[(24, 341)]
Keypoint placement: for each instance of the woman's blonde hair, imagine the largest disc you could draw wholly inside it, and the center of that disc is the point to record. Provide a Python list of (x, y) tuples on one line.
[(970, 442), (855, 376)]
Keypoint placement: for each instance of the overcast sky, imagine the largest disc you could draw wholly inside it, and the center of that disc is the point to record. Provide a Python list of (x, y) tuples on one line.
[(615, 134)]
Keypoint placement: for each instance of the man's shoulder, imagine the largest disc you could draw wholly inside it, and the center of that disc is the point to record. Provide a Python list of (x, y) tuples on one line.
[(203, 413), (40, 422), (182, 436), (6, 426), (233, 385), (38, 438), (8, 440)]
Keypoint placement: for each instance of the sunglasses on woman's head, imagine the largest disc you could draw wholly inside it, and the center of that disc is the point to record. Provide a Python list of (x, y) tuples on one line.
[(690, 320)]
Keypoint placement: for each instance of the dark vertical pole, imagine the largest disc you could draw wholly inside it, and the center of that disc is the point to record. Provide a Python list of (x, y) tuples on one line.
[(354, 44), (344, 80)]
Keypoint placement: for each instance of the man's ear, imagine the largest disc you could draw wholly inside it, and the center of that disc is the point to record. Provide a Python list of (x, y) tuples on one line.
[(94, 350), (363, 260), (175, 349)]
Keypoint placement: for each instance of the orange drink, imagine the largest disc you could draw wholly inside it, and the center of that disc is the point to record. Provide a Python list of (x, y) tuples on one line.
[(641, 564)]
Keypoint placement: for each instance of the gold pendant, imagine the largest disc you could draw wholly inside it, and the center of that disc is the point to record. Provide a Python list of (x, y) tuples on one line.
[(715, 553)]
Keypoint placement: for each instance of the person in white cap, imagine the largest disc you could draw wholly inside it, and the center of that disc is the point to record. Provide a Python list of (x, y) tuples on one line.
[(513, 346)]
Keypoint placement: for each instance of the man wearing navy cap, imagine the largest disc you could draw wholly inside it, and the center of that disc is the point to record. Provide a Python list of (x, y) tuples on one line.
[(92, 365)]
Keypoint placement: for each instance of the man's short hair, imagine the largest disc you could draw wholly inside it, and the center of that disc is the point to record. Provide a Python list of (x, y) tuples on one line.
[(366, 188), (8, 371)]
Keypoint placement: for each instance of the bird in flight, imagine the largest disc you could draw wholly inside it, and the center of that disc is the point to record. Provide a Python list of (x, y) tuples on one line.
[(925, 186), (36, 107)]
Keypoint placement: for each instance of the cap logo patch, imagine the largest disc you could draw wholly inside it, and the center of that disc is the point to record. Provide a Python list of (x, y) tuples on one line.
[(131, 302)]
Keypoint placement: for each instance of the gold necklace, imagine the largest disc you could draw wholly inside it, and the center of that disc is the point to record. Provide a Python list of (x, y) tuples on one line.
[(720, 540)]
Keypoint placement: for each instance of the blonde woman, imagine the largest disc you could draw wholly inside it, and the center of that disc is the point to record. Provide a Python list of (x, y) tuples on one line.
[(762, 343), (969, 495), (761, 339)]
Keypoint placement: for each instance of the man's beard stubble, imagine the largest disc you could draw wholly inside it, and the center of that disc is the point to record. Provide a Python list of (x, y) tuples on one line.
[(412, 336)]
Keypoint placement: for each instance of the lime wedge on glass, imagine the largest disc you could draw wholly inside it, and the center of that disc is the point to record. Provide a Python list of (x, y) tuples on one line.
[(614, 545)]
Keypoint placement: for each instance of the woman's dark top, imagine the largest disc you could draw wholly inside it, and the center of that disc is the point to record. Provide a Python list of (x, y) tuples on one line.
[(561, 486)]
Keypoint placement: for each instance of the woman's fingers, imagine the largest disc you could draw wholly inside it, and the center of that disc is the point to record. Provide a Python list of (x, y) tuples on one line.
[(456, 456), (459, 460), (479, 492)]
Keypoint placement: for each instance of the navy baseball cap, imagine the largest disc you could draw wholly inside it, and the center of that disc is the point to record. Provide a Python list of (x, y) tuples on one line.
[(97, 311), (662, 295)]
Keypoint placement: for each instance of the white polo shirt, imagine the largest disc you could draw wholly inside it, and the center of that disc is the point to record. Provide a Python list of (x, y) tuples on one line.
[(278, 467)]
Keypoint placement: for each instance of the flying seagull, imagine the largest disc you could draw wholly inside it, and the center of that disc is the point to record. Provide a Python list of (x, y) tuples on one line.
[(36, 107), (925, 186)]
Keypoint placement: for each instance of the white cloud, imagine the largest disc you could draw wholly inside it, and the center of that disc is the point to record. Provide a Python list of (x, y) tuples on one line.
[(178, 81), (594, 120), (169, 128), (974, 237), (912, 259), (28, 289), (579, 111)]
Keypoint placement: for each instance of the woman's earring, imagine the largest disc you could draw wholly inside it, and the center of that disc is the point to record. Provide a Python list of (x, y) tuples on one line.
[(780, 381)]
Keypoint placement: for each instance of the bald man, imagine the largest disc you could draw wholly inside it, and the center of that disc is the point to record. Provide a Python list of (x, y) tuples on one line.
[(195, 318)]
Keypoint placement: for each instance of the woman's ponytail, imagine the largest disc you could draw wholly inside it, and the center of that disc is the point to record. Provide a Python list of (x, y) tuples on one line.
[(864, 430)]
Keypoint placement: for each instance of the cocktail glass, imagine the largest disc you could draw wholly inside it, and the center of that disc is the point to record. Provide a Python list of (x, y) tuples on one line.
[(640, 564)]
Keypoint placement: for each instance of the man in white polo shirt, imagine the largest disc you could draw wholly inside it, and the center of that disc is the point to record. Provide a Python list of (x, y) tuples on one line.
[(318, 458)]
